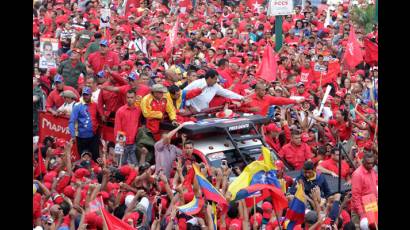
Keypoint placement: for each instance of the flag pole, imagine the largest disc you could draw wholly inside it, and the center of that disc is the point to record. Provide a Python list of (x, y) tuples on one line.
[(254, 209), (278, 32)]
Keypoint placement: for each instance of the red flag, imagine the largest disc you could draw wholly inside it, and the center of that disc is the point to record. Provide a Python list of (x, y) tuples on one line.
[(172, 38), (113, 223), (333, 70), (41, 167), (371, 49), (353, 52), (254, 4), (268, 66), (185, 3), (280, 202)]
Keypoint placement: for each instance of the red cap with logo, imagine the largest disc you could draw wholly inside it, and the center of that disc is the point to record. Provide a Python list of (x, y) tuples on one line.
[(267, 209)]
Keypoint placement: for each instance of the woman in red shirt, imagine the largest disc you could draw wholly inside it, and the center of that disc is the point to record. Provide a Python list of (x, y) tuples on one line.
[(341, 123)]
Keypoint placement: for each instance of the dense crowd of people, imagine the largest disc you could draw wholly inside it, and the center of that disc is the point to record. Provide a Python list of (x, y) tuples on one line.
[(163, 62)]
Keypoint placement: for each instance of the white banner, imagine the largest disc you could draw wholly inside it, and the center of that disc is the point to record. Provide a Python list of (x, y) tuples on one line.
[(105, 18), (280, 7)]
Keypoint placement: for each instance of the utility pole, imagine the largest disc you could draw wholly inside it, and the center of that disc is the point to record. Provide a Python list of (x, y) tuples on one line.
[(278, 32)]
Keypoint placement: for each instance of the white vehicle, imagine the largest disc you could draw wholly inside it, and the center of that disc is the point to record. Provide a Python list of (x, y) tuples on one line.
[(236, 140)]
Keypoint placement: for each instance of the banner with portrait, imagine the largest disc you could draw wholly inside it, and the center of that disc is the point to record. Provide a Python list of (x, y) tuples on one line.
[(48, 53)]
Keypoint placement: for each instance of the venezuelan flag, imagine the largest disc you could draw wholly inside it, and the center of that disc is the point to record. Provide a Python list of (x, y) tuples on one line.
[(192, 207), (183, 99), (280, 201), (258, 172), (296, 211), (214, 217), (209, 191)]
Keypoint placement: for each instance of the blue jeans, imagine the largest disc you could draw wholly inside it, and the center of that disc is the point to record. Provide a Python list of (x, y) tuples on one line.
[(130, 156)]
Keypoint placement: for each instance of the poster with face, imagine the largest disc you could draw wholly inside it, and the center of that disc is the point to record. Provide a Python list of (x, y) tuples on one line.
[(48, 52), (105, 18)]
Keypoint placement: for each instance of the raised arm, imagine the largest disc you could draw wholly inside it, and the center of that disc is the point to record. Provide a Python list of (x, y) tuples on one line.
[(227, 93), (110, 88)]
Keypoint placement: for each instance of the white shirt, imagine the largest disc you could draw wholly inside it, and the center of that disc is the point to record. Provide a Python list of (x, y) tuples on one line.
[(66, 108), (94, 96), (140, 44), (201, 102)]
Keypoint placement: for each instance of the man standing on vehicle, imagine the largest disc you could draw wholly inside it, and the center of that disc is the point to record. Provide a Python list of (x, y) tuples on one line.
[(156, 107), (210, 89), (260, 102), (296, 152)]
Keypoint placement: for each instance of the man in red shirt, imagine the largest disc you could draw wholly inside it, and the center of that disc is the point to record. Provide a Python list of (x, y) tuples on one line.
[(272, 135), (109, 102), (260, 102), (341, 123), (127, 120), (331, 166), (296, 152), (364, 182), (133, 83), (300, 90), (54, 99), (104, 57)]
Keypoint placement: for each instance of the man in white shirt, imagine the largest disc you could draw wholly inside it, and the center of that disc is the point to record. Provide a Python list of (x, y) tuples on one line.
[(69, 101), (210, 88), (140, 43)]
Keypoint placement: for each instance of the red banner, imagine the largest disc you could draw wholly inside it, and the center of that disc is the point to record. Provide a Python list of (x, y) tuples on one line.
[(56, 127)]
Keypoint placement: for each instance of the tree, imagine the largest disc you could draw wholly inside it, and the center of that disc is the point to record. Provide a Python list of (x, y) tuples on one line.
[(364, 16)]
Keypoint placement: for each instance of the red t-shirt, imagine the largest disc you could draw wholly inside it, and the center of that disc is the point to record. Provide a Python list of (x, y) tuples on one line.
[(343, 130), (331, 165), (98, 61)]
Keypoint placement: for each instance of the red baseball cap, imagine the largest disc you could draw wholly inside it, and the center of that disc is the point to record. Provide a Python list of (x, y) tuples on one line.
[(93, 220), (258, 218), (81, 172), (267, 209), (69, 191), (279, 165)]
